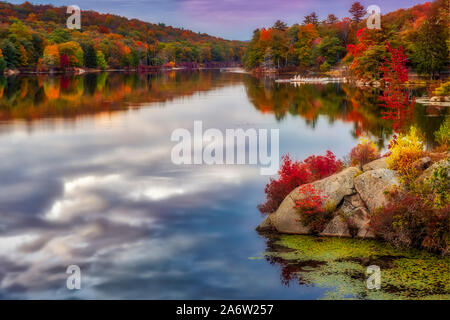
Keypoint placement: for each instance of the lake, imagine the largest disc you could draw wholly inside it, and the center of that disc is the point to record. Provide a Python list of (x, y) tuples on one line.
[(86, 179)]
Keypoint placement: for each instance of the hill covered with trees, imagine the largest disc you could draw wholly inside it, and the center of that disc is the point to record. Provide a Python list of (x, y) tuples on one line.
[(316, 45), (36, 36)]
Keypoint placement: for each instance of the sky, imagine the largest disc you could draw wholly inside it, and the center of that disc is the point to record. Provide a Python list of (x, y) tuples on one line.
[(229, 19)]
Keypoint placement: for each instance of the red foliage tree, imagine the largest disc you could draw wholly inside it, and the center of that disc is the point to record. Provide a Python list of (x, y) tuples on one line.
[(64, 61), (395, 97)]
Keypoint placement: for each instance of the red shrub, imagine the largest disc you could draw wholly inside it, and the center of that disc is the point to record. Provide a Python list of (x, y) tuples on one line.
[(323, 166), (311, 208), (293, 174), (411, 220), (312, 202)]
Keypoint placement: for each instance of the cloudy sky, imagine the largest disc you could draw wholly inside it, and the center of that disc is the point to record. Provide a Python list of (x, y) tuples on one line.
[(230, 19)]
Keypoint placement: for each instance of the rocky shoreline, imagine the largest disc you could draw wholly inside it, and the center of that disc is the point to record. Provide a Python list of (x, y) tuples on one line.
[(354, 194)]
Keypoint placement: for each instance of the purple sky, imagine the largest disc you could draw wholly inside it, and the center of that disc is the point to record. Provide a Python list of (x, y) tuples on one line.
[(230, 19)]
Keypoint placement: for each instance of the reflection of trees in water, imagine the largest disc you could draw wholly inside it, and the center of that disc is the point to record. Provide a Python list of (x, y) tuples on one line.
[(290, 270), (33, 97), (360, 106)]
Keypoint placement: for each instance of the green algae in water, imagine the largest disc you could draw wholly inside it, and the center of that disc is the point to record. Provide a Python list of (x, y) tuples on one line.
[(339, 264)]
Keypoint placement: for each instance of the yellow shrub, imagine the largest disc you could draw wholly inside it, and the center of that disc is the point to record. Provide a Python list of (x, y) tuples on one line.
[(443, 90), (405, 150)]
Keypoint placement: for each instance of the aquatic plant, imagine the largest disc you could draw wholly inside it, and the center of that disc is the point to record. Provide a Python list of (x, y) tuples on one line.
[(339, 265)]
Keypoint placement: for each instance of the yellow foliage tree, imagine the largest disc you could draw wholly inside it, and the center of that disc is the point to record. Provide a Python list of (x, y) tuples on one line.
[(51, 55)]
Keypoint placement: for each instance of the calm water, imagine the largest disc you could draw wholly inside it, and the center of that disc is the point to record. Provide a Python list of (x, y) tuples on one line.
[(86, 179)]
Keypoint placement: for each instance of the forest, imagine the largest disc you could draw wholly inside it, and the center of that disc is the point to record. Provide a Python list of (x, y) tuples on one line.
[(36, 37), (316, 45)]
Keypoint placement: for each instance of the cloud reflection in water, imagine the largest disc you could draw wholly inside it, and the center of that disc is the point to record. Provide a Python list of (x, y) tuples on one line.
[(102, 193)]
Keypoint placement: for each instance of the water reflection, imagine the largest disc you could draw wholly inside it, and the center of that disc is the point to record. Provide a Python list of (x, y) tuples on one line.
[(340, 265), (86, 179), (31, 98), (358, 105)]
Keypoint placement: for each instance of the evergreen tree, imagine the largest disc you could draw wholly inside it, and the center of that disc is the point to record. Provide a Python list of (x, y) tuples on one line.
[(90, 57), (429, 50), (311, 18), (10, 54), (331, 19), (280, 25), (357, 11), (2, 62)]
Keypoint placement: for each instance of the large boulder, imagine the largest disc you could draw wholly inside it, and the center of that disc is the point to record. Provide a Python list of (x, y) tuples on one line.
[(351, 219), (422, 163), (337, 227), (372, 184), (376, 164), (334, 188), (428, 172)]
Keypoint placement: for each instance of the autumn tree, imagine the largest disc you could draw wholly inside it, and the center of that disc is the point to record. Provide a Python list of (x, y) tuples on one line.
[(279, 25), (357, 11), (59, 35), (101, 61), (291, 39), (18, 30), (429, 51), (331, 19), (254, 54), (311, 19), (332, 49), (73, 51), (306, 34), (279, 46), (51, 56), (395, 98), (366, 55)]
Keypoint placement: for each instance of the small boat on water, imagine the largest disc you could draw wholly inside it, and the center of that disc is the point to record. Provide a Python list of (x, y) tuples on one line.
[(298, 79)]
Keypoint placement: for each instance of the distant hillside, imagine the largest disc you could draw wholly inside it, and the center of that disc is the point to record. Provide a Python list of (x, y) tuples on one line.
[(36, 35)]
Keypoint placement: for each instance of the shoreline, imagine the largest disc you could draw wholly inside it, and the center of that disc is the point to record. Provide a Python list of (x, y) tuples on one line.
[(80, 71), (355, 195)]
